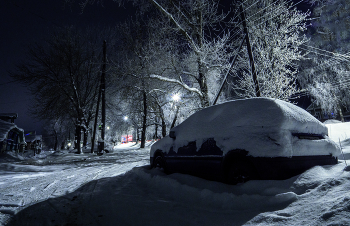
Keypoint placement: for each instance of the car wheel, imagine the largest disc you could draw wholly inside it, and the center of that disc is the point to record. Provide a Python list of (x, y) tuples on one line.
[(240, 172), (159, 162)]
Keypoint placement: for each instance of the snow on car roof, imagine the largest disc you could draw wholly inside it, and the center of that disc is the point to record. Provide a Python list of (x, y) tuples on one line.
[(262, 126), (255, 112)]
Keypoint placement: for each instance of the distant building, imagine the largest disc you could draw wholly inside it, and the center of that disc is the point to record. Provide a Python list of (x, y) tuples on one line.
[(8, 117), (318, 113), (11, 137), (34, 141)]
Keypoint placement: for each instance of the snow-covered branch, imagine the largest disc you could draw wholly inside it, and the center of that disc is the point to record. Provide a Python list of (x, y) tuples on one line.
[(182, 30), (165, 79)]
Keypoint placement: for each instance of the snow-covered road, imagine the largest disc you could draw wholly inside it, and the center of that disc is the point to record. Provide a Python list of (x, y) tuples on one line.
[(38, 179)]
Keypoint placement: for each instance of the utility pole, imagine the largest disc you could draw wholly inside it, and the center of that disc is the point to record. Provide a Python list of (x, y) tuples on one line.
[(256, 83), (101, 92), (103, 87), (95, 123), (232, 63)]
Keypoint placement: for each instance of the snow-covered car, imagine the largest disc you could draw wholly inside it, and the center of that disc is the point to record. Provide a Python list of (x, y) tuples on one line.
[(257, 138)]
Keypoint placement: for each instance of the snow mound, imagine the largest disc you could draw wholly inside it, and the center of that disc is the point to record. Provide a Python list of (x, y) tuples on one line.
[(339, 131), (331, 121), (324, 200), (10, 157), (261, 126), (347, 168)]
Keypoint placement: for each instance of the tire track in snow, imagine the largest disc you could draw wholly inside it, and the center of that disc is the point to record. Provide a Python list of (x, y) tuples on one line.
[(24, 188)]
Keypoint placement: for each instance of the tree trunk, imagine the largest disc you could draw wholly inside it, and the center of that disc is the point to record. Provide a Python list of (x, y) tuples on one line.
[(56, 140), (340, 113), (78, 138), (144, 121), (85, 137), (163, 128), (137, 135), (156, 131), (201, 67), (175, 118)]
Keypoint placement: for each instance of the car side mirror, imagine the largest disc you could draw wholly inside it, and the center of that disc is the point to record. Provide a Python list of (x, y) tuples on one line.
[(172, 134)]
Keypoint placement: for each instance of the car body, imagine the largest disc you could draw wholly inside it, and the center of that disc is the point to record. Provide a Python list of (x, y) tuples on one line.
[(256, 138)]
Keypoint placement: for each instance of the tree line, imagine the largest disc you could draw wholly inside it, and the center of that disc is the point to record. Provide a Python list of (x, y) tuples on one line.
[(167, 48)]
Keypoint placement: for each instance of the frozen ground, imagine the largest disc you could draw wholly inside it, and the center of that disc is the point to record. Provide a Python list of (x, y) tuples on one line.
[(118, 188)]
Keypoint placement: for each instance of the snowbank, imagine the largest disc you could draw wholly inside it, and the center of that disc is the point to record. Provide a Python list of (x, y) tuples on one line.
[(262, 126), (338, 130)]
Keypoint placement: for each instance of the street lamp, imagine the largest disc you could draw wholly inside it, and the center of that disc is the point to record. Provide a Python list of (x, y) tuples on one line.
[(125, 118), (176, 97)]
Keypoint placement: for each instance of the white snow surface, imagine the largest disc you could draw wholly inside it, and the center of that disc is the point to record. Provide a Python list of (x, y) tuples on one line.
[(119, 188), (340, 132), (261, 126)]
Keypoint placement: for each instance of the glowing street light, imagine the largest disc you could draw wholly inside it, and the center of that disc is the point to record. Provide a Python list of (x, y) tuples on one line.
[(176, 97), (125, 118)]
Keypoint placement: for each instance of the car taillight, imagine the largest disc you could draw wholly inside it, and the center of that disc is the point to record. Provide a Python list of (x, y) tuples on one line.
[(309, 136)]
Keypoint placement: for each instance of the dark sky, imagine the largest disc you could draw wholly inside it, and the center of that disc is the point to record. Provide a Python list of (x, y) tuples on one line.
[(26, 21)]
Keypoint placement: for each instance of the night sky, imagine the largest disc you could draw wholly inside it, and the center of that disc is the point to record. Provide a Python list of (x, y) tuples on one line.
[(23, 22)]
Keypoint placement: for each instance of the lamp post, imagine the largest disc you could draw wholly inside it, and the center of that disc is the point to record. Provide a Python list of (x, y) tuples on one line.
[(126, 119), (176, 98)]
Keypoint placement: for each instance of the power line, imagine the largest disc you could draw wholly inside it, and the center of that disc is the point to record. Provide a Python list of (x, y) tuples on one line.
[(244, 9), (281, 12), (328, 51), (238, 14), (269, 6), (236, 33), (332, 57)]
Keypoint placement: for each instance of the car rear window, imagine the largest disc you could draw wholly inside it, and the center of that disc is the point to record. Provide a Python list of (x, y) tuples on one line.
[(308, 136)]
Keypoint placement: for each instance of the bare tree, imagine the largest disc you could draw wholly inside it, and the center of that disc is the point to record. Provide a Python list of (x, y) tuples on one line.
[(205, 54), (133, 69), (63, 77)]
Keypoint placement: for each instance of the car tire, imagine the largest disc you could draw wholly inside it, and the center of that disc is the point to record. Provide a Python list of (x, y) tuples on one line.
[(159, 162), (240, 172)]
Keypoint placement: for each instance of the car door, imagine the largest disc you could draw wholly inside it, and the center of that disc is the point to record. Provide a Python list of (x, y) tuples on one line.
[(206, 162)]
